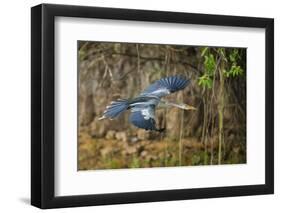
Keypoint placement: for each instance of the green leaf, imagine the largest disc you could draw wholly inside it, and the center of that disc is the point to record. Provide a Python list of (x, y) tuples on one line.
[(226, 73), (205, 81), (235, 70), (210, 64), (234, 55)]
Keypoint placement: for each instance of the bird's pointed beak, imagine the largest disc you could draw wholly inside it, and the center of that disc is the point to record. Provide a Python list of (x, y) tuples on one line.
[(101, 118), (188, 107)]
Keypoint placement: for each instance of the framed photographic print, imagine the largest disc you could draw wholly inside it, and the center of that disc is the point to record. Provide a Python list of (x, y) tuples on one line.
[(139, 106)]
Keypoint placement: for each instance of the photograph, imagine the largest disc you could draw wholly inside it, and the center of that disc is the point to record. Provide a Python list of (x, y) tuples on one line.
[(132, 105), (160, 105)]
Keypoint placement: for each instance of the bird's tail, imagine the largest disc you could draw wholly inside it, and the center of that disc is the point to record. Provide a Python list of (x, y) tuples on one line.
[(115, 109)]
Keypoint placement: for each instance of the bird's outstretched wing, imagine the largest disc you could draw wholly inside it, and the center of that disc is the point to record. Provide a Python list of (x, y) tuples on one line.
[(143, 117), (165, 86)]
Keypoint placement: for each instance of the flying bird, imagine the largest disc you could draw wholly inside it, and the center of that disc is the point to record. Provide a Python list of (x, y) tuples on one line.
[(143, 106)]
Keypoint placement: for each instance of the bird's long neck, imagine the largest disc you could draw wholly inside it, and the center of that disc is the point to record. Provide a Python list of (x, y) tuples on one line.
[(169, 104)]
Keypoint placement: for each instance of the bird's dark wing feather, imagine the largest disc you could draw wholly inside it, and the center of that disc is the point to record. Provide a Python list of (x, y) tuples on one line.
[(165, 86), (143, 117)]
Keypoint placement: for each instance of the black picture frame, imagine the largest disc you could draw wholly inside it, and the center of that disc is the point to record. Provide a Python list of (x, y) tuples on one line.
[(43, 105)]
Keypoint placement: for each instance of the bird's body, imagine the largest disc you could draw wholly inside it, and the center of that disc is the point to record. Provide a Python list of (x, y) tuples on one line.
[(143, 106)]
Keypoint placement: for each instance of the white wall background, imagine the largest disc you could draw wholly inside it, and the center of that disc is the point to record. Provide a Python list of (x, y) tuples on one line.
[(15, 105)]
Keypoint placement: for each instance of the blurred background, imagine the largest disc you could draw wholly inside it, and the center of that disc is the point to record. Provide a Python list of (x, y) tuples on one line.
[(214, 134)]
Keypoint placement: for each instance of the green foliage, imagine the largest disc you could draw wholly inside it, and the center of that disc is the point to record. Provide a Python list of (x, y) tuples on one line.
[(214, 56), (210, 64), (221, 52), (205, 81), (234, 56), (234, 71)]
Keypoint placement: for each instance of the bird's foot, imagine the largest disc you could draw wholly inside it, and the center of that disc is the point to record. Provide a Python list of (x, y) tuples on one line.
[(161, 130)]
